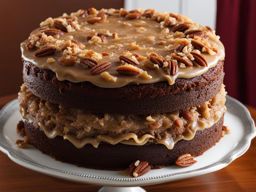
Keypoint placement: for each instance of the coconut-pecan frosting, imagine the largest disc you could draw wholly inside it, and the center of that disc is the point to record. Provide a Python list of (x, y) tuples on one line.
[(114, 47)]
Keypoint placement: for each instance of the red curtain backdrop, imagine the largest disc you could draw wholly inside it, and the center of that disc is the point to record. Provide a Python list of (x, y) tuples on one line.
[(236, 25)]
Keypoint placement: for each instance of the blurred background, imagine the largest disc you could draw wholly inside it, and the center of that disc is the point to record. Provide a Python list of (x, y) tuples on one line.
[(233, 20)]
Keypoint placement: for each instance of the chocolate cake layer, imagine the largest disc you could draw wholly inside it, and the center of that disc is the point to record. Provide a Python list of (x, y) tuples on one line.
[(119, 156), (130, 99)]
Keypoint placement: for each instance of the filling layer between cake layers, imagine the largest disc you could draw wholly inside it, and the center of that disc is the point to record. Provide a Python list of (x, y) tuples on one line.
[(82, 128)]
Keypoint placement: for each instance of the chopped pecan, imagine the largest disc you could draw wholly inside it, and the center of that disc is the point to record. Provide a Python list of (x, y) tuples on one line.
[(92, 11), (148, 13), (128, 70), (88, 62), (139, 168), (45, 51), (68, 60), (199, 59), (94, 20), (185, 160), (22, 143), (156, 59), (178, 123), (172, 67), (180, 27), (134, 14), (99, 68), (127, 60), (59, 25), (123, 12), (184, 60), (30, 46), (102, 15), (187, 115)]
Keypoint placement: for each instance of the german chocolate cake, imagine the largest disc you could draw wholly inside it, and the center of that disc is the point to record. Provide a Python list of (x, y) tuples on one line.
[(105, 88)]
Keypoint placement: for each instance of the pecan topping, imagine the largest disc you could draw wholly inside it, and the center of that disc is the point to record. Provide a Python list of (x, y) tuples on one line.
[(99, 68), (94, 20), (139, 168), (45, 51), (133, 15), (91, 11), (187, 115), (193, 32), (88, 62), (199, 59), (177, 17), (128, 70), (59, 25), (123, 12), (185, 160), (184, 60), (148, 13), (51, 31), (156, 59), (197, 44), (102, 15), (173, 67), (180, 27), (68, 60), (127, 60)]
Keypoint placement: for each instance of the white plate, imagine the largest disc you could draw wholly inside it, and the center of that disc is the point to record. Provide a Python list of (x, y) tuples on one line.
[(229, 148)]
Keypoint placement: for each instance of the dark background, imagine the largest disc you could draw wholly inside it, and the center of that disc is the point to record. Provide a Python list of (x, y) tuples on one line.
[(18, 18)]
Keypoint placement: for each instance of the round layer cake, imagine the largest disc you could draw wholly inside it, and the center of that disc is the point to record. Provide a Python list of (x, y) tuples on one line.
[(104, 88)]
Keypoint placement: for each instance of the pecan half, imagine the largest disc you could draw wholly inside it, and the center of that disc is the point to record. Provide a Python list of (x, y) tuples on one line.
[(128, 70), (193, 32), (88, 62), (177, 17), (180, 27), (45, 51), (197, 44), (199, 59), (156, 59), (172, 67), (139, 168), (99, 68), (51, 31), (93, 20), (185, 160), (148, 13), (184, 60), (59, 25), (134, 14), (127, 60)]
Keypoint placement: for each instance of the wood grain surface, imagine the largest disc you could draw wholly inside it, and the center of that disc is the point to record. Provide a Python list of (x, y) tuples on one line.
[(239, 176)]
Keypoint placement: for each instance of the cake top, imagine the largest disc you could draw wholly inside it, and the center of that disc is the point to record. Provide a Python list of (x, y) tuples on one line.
[(114, 47)]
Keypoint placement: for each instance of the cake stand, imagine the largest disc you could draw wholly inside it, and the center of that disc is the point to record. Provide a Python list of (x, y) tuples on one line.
[(230, 147)]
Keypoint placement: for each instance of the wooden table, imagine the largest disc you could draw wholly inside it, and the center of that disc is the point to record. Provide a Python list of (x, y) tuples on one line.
[(239, 176)]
